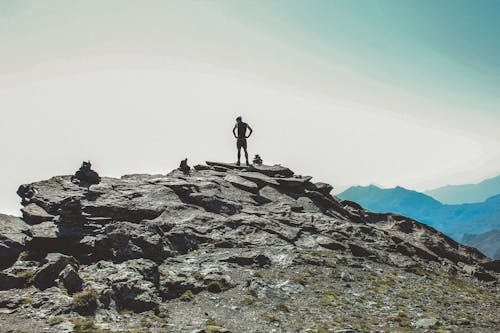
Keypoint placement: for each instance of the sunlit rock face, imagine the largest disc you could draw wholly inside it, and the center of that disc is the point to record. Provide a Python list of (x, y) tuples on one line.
[(220, 247)]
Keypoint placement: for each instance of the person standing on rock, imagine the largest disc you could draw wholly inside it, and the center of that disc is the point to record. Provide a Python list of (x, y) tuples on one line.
[(241, 137)]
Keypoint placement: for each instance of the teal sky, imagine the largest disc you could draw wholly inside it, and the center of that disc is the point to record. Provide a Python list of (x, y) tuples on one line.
[(443, 47), (392, 92)]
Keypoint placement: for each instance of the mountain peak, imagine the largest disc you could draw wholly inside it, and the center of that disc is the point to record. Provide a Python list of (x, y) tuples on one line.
[(227, 237)]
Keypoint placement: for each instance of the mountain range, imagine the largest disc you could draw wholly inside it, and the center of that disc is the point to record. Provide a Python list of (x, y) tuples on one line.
[(468, 193), (453, 220), (488, 242)]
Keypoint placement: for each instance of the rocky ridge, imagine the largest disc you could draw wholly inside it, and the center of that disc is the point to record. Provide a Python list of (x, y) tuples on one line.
[(226, 248)]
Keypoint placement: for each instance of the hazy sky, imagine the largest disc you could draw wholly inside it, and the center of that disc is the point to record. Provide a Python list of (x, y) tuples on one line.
[(352, 92)]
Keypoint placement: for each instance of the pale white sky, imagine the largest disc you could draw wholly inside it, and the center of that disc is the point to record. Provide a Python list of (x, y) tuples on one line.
[(135, 90)]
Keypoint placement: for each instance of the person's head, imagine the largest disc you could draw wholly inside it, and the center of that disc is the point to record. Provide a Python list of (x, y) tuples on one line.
[(238, 119)]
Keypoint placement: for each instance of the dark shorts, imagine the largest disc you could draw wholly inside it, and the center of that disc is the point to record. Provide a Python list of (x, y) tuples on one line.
[(241, 143)]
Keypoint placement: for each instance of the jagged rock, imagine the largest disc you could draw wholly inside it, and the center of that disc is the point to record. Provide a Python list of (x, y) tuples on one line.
[(128, 200), (259, 179), (134, 292), (484, 276), (47, 275), (426, 322), (70, 279), (122, 241), (9, 281), (273, 195), (323, 188), (272, 170), (242, 183), (51, 301), (259, 260), (226, 237), (492, 266), (331, 244), (359, 251), (226, 166), (294, 183), (51, 237), (12, 239), (308, 205), (33, 214)]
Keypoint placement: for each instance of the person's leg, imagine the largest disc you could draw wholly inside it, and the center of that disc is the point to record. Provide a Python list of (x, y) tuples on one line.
[(246, 154), (239, 155)]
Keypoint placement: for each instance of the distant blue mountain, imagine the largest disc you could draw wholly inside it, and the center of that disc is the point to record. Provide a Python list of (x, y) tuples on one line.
[(488, 242), (453, 220), (469, 193)]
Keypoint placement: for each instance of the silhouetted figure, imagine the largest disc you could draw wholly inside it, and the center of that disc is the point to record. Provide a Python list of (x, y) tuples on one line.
[(184, 167), (257, 160), (241, 137), (85, 176)]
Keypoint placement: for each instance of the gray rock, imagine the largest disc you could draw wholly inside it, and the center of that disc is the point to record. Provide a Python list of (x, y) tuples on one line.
[(122, 241), (9, 281), (53, 237), (294, 183), (242, 183), (51, 301), (33, 214), (425, 322), (323, 188), (227, 166), (260, 179), (47, 275), (275, 196), (133, 291), (272, 170), (70, 279), (330, 243), (12, 239)]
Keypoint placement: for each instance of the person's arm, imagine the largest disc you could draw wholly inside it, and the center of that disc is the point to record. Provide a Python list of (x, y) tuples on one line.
[(251, 131), (234, 131)]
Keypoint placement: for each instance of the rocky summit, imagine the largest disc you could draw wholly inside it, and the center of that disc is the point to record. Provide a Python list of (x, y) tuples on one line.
[(226, 248)]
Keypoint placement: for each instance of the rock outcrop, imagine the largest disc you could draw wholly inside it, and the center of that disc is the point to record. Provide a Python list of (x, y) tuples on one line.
[(215, 233)]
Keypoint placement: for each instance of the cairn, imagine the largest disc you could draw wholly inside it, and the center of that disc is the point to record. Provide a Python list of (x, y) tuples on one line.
[(85, 176), (184, 167), (257, 160)]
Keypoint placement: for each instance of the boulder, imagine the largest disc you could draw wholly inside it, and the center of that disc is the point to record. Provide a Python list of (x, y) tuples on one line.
[(272, 170), (275, 196), (426, 323), (323, 188), (128, 200), (493, 265), (260, 179), (12, 239), (121, 241), (329, 243), (70, 279), (295, 183), (33, 214), (52, 237), (133, 292), (360, 251), (226, 166), (47, 275), (9, 281), (242, 183), (259, 260), (52, 301)]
